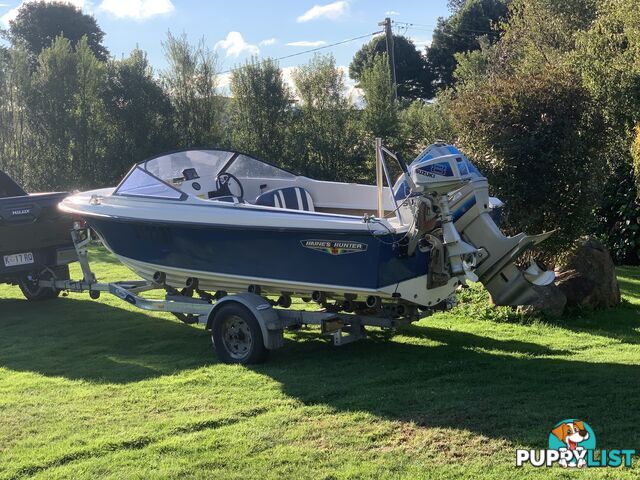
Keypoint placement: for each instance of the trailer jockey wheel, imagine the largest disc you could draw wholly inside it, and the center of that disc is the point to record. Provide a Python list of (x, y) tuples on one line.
[(33, 291), (237, 336)]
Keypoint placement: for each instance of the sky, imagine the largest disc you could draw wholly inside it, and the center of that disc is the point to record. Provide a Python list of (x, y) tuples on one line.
[(238, 29)]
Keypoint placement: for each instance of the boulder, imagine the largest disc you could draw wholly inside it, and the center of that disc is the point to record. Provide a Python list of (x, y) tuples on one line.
[(588, 277), (549, 299)]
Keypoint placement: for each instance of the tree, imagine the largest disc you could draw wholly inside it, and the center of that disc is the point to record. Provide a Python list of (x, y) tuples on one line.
[(533, 135), (65, 119), (411, 74), (380, 115), (455, 5), (39, 23), (87, 146), (15, 83), (424, 123), (473, 67), (260, 109), (139, 114), (324, 129), (607, 55), (461, 33), (50, 108), (542, 34), (190, 81)]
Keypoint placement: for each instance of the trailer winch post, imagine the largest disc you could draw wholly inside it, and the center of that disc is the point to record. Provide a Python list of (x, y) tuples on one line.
[(379, 177)]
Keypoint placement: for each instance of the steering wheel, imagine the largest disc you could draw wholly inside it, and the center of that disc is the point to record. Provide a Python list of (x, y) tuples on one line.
[(227, 184)]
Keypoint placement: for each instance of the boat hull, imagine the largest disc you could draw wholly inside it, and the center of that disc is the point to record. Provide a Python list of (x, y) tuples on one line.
[(224, 257)]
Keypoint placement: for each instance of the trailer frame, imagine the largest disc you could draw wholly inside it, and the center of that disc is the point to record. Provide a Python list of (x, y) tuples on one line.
[(343, 328)]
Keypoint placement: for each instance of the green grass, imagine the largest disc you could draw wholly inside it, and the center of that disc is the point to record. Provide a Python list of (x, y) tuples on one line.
[(97, 389)]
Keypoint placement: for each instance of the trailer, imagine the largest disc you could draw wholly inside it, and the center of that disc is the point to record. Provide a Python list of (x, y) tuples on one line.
[(244, 326)]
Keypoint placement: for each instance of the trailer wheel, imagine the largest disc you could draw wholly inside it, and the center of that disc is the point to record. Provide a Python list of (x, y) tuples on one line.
[(237, 336), (33, 292)]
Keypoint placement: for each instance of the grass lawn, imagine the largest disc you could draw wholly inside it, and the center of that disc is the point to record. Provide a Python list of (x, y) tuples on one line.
[(98, 389)]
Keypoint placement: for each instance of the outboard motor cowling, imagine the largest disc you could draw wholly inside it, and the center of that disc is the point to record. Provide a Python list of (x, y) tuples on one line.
[(440, 169)]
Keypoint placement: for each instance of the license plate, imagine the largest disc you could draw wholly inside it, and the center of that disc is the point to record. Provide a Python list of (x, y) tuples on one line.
[(18, 259)]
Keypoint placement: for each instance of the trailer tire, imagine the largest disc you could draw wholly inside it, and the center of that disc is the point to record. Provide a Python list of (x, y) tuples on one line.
[(33, 292), (236, 335)]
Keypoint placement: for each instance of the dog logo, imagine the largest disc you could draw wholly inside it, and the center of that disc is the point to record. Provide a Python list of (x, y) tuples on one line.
[(572, 443), (575, 436)]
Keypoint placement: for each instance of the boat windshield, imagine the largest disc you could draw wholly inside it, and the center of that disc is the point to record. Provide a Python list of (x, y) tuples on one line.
[(210, 163), (162, 176), (173, 165)]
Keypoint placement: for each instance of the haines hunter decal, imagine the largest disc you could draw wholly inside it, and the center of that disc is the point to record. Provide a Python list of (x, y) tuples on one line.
[(335, 247)]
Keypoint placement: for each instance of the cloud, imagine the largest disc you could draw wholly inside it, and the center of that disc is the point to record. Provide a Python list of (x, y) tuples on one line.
[(235, 45), (267, 42), (306, 43), (224, 80), (136, 9), (331, 11), (13, 13), (420, 42), (353, 92), (392, 13)]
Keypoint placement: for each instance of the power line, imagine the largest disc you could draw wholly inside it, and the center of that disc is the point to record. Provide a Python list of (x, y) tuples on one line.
[(316, 49), (429, 28), (412, 24)]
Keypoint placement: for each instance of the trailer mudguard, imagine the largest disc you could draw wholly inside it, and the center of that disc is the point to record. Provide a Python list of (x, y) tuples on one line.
[(262, 310)]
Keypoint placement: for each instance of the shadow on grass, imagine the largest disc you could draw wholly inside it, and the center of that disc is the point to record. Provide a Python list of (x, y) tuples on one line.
[(504, 389), (82, 339), (621, 323), (508, 390)]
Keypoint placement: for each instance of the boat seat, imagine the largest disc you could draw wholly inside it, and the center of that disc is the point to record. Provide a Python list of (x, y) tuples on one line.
[(293, 198)]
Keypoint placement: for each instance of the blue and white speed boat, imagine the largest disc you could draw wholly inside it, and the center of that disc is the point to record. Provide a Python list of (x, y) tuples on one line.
[(233, 222)]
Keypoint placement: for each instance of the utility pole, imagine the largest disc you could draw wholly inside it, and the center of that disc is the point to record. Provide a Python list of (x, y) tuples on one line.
[(390, 53)]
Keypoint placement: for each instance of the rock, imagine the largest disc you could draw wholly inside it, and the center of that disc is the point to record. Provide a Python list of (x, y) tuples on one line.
[(588, 277), (549, 299)]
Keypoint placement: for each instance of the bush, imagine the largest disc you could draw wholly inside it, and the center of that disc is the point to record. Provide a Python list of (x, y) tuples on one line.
[(424, 123), (618, 217), (475, 302), (635, 155), (532, 136)]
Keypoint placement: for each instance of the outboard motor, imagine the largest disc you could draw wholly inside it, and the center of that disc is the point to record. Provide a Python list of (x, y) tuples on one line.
[(443, 184)]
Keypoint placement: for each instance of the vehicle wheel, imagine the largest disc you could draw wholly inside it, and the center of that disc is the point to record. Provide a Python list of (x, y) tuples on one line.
[(237, 336), (32, 291)]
